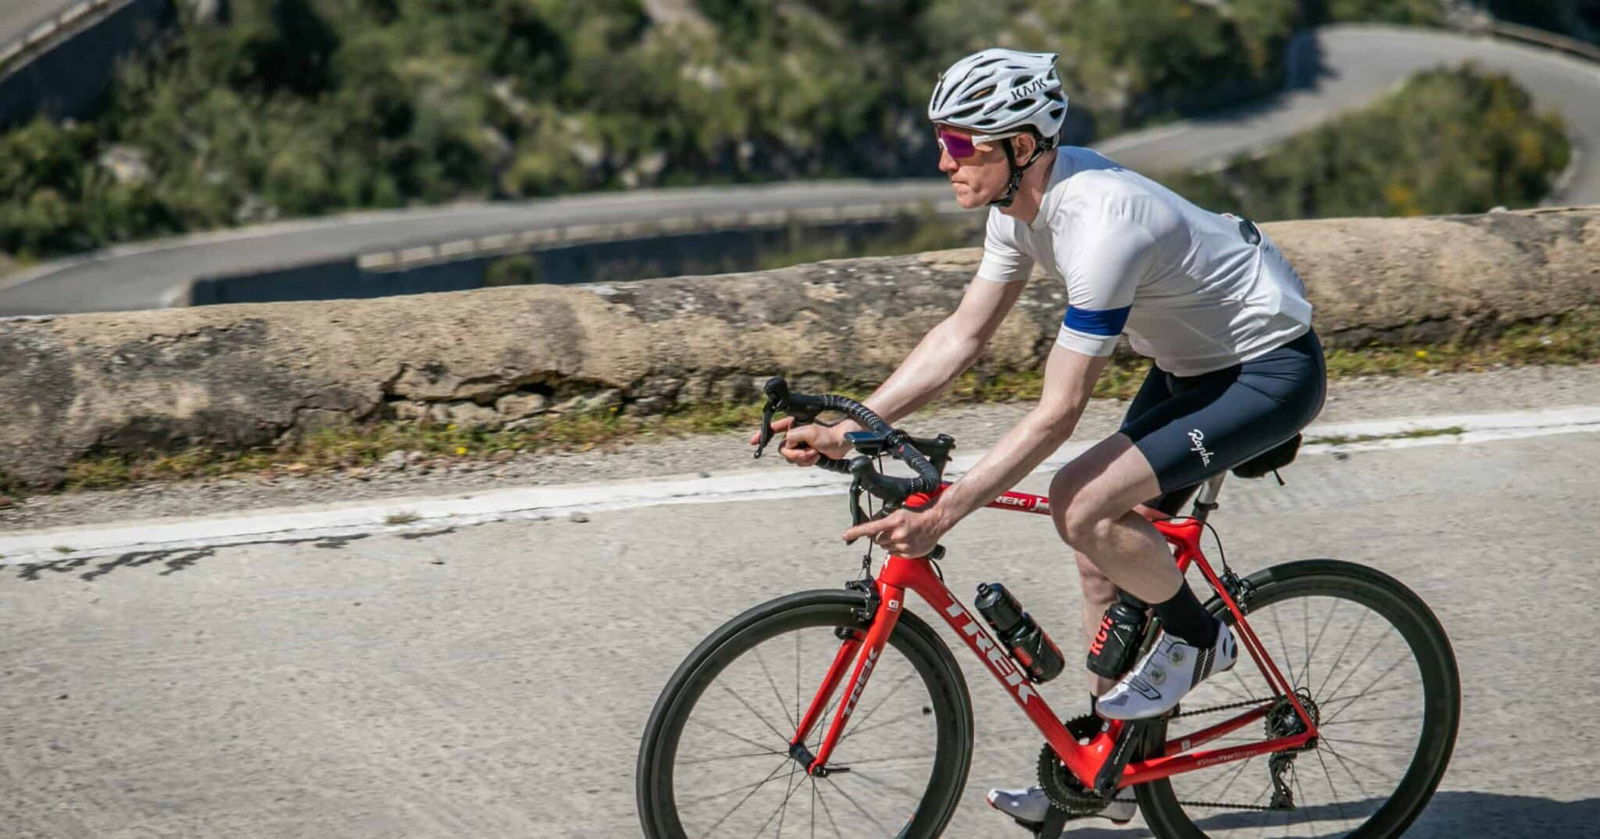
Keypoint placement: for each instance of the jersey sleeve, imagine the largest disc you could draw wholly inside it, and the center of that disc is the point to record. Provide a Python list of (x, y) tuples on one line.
[(1003, 261), (1102, 262)]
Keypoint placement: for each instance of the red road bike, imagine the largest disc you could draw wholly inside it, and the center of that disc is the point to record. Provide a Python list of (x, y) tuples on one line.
[(769, 725)]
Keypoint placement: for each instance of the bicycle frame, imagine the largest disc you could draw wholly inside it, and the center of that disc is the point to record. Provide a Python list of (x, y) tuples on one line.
[(900, 574)]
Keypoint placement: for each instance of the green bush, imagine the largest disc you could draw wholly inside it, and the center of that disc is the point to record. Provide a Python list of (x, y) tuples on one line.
[(300, 107), (1448, 141)]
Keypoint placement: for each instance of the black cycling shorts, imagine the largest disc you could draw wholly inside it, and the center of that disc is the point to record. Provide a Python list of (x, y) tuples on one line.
[(1192, 427)]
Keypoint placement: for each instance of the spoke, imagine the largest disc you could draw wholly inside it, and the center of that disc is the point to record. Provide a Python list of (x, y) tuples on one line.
[(1242, 766), (1326, 702), (797, 659), (813, 808), (709, 796), (1305, 624), (753, 788), (857, 805), (783, 805), (1338, 803), (782, 705), (1342, 740), (1396, 718), (1361, 621), (861, 720), (1346, 767), (1240, 679), (1374, 683), (751, 708), (1317, 644), (826, 810), (1294, 772), (1283, 644), (727, 733), (730, 757), (1385, 774), (914, 712), (854, 763), (886, 785), (1357, 668)]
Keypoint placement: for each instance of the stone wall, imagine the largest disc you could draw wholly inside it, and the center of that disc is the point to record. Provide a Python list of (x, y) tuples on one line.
[(245, 375)]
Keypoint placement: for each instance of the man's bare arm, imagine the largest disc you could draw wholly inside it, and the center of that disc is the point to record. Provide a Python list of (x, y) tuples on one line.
[(1069, 379), (947, 350)]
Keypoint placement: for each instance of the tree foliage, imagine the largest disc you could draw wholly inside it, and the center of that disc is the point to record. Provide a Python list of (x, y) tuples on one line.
[(1448, 141), (299, 107)]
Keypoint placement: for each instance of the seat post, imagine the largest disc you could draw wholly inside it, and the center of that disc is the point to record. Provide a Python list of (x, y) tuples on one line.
[(1206, 501)]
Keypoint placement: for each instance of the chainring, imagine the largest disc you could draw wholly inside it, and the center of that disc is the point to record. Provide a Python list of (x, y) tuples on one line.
[(1058, 782)]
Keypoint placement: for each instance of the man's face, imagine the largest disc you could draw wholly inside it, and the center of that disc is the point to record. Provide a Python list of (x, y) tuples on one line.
[(979, 174)]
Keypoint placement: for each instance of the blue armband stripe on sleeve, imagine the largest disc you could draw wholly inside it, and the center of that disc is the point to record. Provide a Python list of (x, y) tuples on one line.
[(1104, 322)]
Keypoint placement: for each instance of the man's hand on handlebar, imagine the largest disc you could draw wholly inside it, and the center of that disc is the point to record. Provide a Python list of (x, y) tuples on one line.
[(802, 444), (904, 532)]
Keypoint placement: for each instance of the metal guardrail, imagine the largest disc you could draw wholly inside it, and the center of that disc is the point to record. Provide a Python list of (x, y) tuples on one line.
[(553, 237), (70, 19)]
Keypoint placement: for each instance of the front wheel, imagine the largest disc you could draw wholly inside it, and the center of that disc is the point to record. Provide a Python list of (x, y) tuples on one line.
[(1376, 671), (714, 759)]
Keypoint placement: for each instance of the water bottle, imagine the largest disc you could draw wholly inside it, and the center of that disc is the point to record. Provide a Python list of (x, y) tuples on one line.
[(1114, 646), (1029, 646)]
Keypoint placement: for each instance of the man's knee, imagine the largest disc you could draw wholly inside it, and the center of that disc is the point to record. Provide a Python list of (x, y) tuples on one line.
[(1079, 514)]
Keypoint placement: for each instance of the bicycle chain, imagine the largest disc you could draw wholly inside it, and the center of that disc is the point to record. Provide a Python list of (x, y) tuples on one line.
[(1073, 802), (1211, 710)]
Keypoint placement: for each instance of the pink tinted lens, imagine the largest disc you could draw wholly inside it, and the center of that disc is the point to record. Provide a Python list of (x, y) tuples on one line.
[(958, 145)]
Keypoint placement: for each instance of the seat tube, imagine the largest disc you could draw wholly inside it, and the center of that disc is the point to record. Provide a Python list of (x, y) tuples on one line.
[(883, 623)]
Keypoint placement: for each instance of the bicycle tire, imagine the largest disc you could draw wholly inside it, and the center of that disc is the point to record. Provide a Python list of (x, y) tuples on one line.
[(1430, 647), (912, 637)]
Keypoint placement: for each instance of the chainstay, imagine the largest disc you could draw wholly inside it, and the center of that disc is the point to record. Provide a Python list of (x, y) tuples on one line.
[(1225, 805)]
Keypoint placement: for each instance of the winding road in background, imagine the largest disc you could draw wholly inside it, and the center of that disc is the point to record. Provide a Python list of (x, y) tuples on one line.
[(1333, 69)]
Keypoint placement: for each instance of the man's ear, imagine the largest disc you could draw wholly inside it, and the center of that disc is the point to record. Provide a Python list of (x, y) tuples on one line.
[(1024, 145)]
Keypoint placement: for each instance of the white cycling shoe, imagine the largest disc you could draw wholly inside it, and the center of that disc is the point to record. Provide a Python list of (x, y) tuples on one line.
[(1031, 805), (1169, 671)]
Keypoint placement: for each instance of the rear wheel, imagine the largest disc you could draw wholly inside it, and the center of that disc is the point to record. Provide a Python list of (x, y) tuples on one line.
[(1381, 681), (714, 760)]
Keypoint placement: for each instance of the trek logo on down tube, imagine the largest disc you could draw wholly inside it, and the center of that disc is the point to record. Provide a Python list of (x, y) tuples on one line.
[(990, 652)]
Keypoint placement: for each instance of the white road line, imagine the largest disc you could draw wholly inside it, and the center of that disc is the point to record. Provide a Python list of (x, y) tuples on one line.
[(402, 515)]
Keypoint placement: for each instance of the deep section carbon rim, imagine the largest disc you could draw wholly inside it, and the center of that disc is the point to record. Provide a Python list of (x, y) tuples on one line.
[(721, 766), (1380, 678)]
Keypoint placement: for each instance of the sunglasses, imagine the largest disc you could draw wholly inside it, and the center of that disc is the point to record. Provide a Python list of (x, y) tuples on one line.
[(960, 145)]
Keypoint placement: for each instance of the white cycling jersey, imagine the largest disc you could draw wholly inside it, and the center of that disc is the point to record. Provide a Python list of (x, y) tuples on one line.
[(1187, 285)]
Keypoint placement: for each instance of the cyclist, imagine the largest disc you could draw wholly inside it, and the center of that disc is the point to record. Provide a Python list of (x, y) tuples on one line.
[(1236, 367)]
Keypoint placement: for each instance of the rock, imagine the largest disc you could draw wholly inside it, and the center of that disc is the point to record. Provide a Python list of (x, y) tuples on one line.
[(580, 518), (410, 411), (472, 415), (7, 501), (514, 406)]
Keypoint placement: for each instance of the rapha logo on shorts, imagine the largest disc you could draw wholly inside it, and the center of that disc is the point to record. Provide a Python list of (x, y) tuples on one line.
[(1199, 447)]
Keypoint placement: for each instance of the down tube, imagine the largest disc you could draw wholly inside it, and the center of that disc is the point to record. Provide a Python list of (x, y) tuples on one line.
[(913, 574)]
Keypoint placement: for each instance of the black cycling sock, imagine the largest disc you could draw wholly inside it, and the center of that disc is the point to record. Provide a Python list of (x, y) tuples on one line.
[(1186, 619)]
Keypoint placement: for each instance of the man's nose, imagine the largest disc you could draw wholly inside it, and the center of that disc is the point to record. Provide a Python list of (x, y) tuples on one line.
[(947, 164)]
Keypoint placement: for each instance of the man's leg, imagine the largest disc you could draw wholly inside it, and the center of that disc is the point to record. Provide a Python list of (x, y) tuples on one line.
[(1098, 592), (1092, 502)]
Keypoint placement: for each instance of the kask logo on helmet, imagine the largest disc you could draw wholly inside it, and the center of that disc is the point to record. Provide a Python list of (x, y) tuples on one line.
[(1029, 89)]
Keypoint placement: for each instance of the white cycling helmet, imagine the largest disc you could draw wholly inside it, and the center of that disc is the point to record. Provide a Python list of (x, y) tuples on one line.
[(999, 91)]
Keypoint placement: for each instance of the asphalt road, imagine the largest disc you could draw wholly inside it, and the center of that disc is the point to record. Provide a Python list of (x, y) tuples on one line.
[(1345, 66), (493, 681), (19, 17)]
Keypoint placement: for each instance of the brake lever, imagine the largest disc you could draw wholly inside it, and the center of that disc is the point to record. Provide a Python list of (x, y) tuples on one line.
[(766, 429)]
